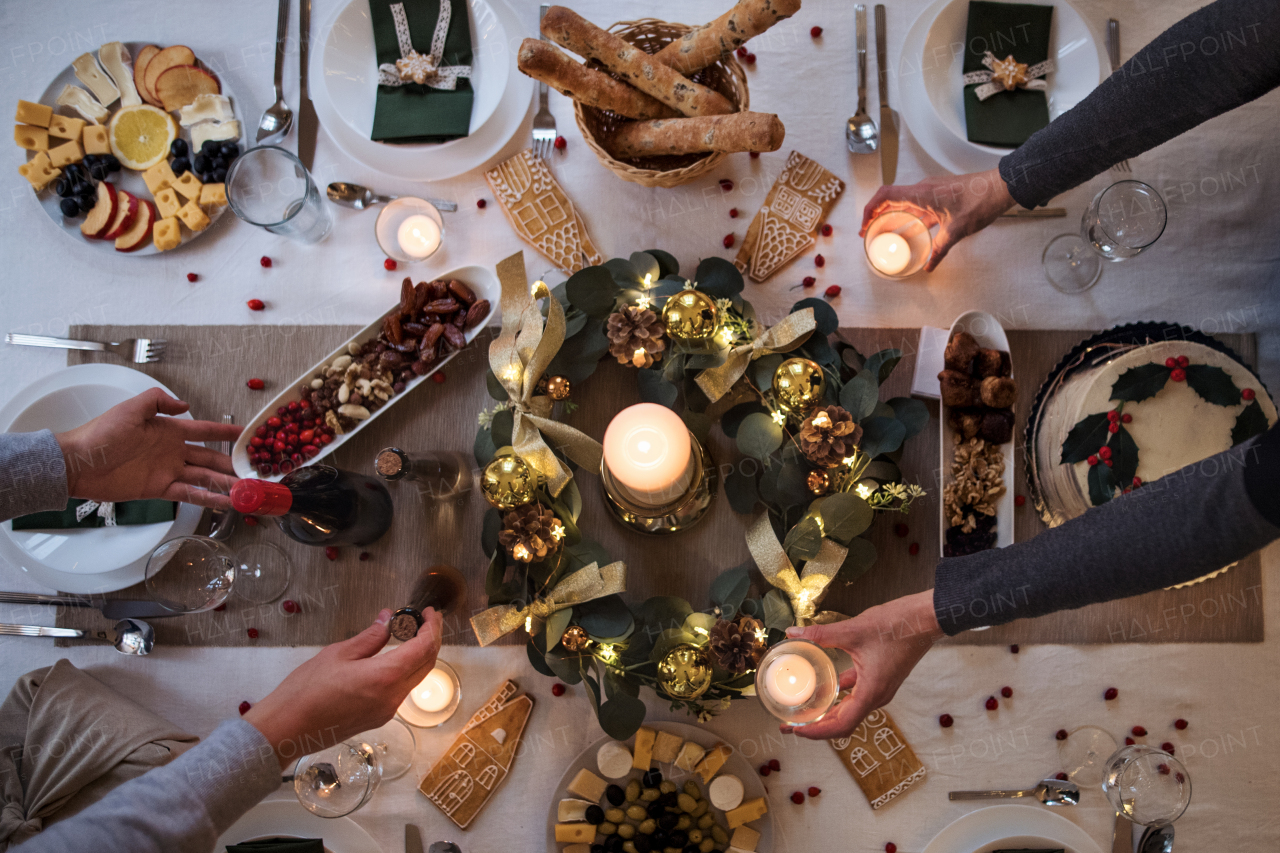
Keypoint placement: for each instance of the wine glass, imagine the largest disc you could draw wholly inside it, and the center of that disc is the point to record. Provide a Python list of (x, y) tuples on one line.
[(1084, 754), (1121, 222), (1146, 785), (395, 745), (190, 574), (339, 780), (262, 572)]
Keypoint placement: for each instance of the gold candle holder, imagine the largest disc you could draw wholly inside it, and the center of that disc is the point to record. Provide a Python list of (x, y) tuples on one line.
[(681, 513)]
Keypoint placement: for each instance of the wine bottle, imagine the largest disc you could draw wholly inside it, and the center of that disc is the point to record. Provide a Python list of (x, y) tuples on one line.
[(439, 476), (319, 505)]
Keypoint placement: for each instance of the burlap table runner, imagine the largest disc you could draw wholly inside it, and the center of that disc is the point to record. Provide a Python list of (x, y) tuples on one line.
[(208, 366)]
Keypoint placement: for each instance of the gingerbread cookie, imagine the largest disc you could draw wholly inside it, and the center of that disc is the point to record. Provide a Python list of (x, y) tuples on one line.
[(786, 226), (541, 213), (880, 759)]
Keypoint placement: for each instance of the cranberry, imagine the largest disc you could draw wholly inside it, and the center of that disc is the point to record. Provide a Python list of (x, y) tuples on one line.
[(264, 469), (890, 847), (253, 633), (389, 265), (797, 797), (326, 438), (901, 529), (1113, 428), (1163, 768), (946, 721), (290, 606), (834, 290), (1248, 394), (437, 377), (1061, 777), (814, 791), (733, 213), (808, 281), (1137, 481), (754, 155), (482, 204), (726, 184), (1104, 452), (192, 277), (274, 422), (774, 765), (826, 230), (309, 450), (1179, 777), (285, 466), (282, 410), (279, 446), (265, 261), (255, 442), (557, 689), (256, 304), (1126, 418), (261, 431), (1061, 734), (1138, 731), (1110, 694), (561, 143), (1171, 362), (221, 607), (365, 555), (750, 58), (819, 261), (1180, 724), (1013, 649), (913, 548), (251, 520), (1167, 747), (1092, 460), (1019, 500), (1113, 416), (1128, 741), (244, 708), (728, 241), (764, 770), (742, 51), (293, 406), (1006, 692), (1178, 375), (815, 32), (992, 703), (1183, 361), (331, 551), (256, 384), (296, 459)]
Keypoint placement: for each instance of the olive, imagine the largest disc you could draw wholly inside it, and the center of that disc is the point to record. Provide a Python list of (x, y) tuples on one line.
[(595, 815), (656, 810), (679, 839), (613, 844), (652, 778), (69, 207), (626, 830), (667, 822), (633, 790), (178, 148), (615, 816), (219, 175), (615, 795), (642, 844), (180, 165), (210, 147), (229, 151)]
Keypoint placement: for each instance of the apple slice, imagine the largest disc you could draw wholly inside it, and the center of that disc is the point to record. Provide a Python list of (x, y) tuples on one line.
[(98, 220), (182, 84), (126, 212), (137, 236), (162, 62), (139, 66)]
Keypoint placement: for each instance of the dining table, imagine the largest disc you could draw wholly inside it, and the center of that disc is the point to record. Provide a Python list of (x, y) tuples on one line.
[(1216, 269)]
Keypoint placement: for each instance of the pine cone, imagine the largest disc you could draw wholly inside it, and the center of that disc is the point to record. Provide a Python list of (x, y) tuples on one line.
[(735, 644), (530, 532), (828, 436), (636, 336)]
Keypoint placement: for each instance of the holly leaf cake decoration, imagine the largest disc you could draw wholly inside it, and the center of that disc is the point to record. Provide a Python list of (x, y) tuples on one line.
[(1250, 422), (1213, 384), (1101, 484), (1124, 458), (1140, 383), (1085, 438)]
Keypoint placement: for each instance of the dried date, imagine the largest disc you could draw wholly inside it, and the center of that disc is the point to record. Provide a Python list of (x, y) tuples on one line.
[(412, 327), (476, 313), (461, 291), (454, 336), (390, 359), (437, 290), (406, 297), (421, 296), (391, 328), (432, 336)]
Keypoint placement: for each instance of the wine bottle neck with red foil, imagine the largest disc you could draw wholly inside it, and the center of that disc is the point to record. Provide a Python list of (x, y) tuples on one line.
[(261, 497)]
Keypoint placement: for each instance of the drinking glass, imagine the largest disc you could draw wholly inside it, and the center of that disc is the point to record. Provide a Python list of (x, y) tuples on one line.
[(1146, 785), (339, 780), (1084, 754), (190, 574), (1122, 221), (269, 187), (395, 745)]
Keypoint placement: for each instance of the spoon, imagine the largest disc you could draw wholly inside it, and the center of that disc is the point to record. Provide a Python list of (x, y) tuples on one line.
[(133, 636), (278, 118), (1157, 839), (860, 133), (1051, 792), (443, 847), (354, 195)]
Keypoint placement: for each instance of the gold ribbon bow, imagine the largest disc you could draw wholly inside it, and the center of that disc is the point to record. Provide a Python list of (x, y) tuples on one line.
[(518, 357), (794, 330), (1008, 74), (805, 589), (586, 584)]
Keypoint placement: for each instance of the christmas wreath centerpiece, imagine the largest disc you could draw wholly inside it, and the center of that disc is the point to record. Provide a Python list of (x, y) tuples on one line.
[(805, 406)]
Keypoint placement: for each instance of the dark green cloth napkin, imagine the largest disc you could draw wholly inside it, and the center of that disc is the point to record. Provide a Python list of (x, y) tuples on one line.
[(127, 512), (279, 845), (1006, 119), (415, 113)]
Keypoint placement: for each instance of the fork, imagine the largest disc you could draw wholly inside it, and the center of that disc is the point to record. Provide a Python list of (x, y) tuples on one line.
[(139, 350), (1113, 52), (544, 123)]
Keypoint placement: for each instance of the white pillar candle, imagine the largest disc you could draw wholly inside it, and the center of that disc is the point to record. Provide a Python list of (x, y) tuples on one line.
[(434, 693), (418, 236), (790, 680), (648, 453), (889, 253)]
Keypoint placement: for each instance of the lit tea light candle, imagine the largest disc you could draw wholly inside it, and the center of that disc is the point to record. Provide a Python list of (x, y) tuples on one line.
[(648, 453), (418, 236), (898, 244), (434, 693), (790, 680), (889, 253)]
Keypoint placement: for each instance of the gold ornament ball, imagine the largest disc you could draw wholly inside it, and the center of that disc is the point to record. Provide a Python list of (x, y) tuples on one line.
[(690, 316), (508, 482), (799, 385), (574, 639), (685, 672), (819, 482), (557, 387)]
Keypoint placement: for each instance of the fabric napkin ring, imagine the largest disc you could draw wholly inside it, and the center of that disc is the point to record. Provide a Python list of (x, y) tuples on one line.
[(106, 509), (1007, 74), (414, 67)]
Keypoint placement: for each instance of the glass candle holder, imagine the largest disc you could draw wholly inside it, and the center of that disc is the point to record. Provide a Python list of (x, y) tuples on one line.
[(409, 229), (898, 245), (797, 682), (434, 700)]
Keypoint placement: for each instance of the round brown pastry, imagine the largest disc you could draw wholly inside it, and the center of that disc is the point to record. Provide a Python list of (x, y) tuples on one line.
[(999, 392), (992, 362), (960, 352), (967, 422), (958, 389), (997, 426)]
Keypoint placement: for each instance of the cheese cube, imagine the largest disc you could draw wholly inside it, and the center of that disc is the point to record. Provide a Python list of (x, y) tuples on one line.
[(167, 202), (576, 848), (747, 812), (713, 761), (579, 832), (193, 216), (642, 756), (213, 195), (667, 747), (745, 838), (38, 171), (37, 114), (66, 154), (31, 138), (159, 176), (95, 140), (66, 127), (187, 184), (690, 755), (587, 785), (166, 234)]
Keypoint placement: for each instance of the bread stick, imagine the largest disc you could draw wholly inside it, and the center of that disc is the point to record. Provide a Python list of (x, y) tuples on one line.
[(573, 32), (735, 132), (543, 61), (702, 46)]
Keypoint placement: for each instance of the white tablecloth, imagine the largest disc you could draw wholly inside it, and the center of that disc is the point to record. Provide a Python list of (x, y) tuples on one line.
[(1214, 269)]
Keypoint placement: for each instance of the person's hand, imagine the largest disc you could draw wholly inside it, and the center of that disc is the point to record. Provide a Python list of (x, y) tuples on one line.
[(885, 642), (959, 205), (128, 453), (346, 689)]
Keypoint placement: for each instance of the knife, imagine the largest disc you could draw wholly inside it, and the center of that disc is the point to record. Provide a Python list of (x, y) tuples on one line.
[(111, 609), (412, 840), (307, 120), (1122, 837), (888, 120)]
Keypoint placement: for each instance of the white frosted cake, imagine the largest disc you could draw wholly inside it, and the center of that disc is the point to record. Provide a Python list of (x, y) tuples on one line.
[(1172, 428)]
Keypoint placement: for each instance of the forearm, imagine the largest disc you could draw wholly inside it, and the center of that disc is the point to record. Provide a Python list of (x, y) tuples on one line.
[(185, 805), (1212, 61), (1175, 529), (33, 474)]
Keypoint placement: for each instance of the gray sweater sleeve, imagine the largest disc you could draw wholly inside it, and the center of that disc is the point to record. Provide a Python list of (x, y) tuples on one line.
[(1174, 529), (184, 806), (1212, 61), (33, 474)]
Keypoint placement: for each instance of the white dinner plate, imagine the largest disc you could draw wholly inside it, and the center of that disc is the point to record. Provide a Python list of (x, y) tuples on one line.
[(288, 819), (125, 179), (91, 560), (502, 92), (1022, 827), (736, 765), (931, 85)]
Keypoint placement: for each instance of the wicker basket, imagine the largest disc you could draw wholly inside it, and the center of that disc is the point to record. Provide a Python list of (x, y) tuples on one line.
[(725, 76)]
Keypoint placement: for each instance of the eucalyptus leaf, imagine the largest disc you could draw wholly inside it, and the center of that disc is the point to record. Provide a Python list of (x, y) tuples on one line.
[(818, 349), (592, 291), (574, 322), (882, 410), (913, 414), (882, 363), (593, 690), (604, 617), (624, 272), (824, 316), (845, 515), (539, 659), (667, 263), (793, 483), (673, 367), (589, 551), (556, 623), (767, 486), (489, 528), (882, 435), (740, 489), (666, 287), (708, 360), (883, 472), (861, 556), (759, 435), (656, 389), (566, 667), (731, 420), (483, 449), (803, 541), (646, 264), (729, 589), (663, 612), (621, 716), (718, 277), (777, 611), (572, 498), (494, 387), (615, 684), (493, 576), (581, 354), (500, 428), (860, 395), (763, 368), (698, 424)]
